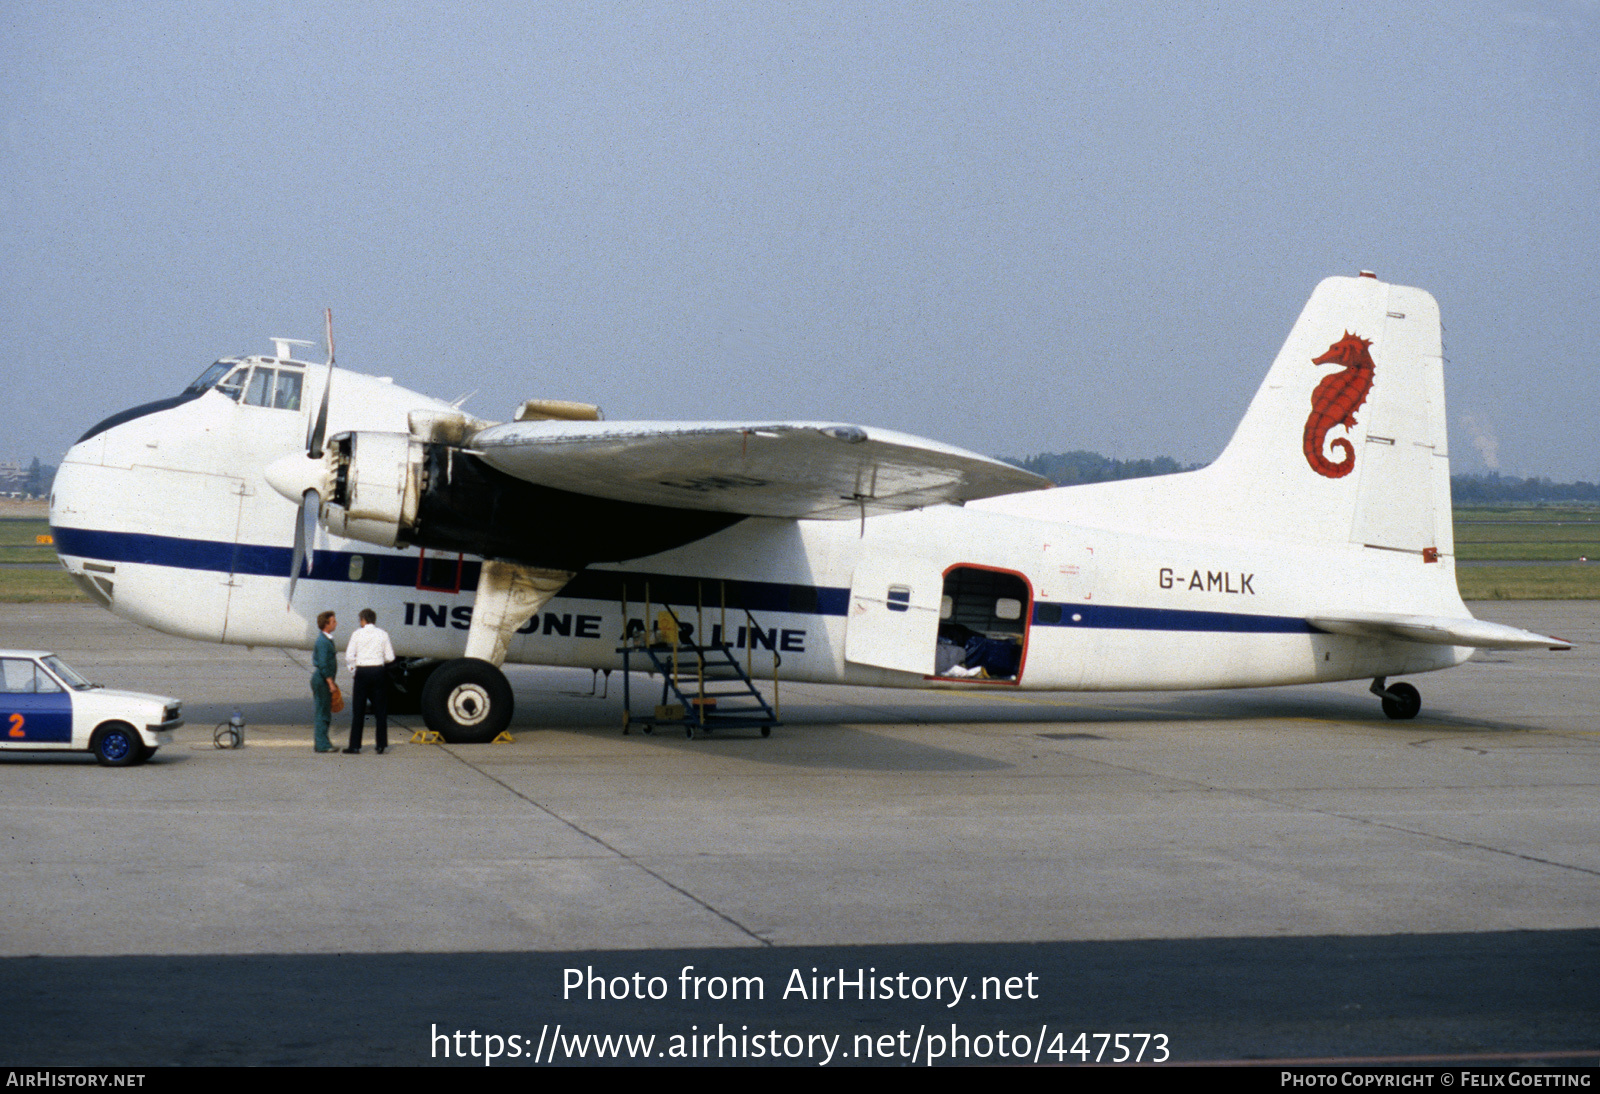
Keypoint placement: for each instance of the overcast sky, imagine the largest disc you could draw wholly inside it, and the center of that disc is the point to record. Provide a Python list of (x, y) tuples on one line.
[(1013, 227)]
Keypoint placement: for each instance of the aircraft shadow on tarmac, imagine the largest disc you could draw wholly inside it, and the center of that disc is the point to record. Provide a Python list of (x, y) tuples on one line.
[(847, 719)]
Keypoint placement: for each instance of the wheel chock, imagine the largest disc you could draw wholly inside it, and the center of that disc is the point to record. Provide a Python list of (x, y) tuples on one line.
[(426, 737), (505, 738)]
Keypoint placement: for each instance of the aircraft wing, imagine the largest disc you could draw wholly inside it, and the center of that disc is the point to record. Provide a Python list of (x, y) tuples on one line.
[(812, 470), (1438, 631)]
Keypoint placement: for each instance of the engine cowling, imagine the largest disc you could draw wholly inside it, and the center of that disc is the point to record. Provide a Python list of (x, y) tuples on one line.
[(377, 487)]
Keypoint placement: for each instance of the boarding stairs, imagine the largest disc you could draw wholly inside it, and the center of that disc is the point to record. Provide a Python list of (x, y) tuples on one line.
[(703, 686)]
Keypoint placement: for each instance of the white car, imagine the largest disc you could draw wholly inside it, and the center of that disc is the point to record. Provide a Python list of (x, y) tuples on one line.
[(46, 705)]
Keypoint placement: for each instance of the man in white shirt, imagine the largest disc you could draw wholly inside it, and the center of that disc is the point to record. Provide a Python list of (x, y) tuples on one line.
[(366, 655)]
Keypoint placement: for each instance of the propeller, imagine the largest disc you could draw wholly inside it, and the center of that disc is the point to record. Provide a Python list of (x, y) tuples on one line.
[(305, 525), (317, 428), (305, 528)]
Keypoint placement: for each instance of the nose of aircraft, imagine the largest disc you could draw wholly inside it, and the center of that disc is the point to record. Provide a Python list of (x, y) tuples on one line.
[(109, 476), (72, 495), (77, 520), (73, 492), (140, 411)]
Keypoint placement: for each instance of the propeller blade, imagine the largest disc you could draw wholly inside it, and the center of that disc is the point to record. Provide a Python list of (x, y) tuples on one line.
[(319, 425), (305, 530)]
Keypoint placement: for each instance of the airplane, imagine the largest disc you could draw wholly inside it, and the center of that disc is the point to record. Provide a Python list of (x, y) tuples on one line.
[(1317, 547)]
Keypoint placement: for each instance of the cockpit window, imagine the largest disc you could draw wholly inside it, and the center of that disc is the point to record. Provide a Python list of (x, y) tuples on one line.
[(278, 388), (233, 385), (208, 377), (286, 396), (259, 393), (264, 386)]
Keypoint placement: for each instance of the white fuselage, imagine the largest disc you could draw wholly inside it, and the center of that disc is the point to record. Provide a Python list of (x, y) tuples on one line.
[(166, 519)]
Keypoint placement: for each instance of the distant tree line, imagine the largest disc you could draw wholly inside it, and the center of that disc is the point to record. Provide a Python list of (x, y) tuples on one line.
[(1504, 489), (1076, 468)]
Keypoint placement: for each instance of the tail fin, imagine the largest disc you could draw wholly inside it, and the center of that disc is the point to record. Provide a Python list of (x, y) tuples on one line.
[(1345, 441), (1343, 444)]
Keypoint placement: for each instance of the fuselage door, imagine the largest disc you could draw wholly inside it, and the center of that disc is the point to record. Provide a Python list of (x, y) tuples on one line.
[(894, 612), (983, 623)]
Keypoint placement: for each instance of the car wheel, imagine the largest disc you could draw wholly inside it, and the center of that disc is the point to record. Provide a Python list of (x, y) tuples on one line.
[(467, 701), (117, 744)]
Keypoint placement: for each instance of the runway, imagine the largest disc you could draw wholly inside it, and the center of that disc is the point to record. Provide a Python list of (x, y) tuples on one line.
[(1278, 873)]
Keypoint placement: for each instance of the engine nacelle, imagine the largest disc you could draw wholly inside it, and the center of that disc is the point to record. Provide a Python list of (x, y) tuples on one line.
[(377, 485), (402, 490)]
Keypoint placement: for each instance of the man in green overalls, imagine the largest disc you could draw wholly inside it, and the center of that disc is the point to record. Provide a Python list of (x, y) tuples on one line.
[(324, 665)]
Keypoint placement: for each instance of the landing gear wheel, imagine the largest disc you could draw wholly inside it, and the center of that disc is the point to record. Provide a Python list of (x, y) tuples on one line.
[(1405, 702), (117, 744), (467, 701)]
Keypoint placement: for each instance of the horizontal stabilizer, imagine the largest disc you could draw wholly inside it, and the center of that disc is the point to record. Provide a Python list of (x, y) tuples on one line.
[(1438, 631), (816, 470)]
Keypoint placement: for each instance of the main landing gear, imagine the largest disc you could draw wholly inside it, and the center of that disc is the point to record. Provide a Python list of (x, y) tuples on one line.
[(1400, 701), (468, 700)]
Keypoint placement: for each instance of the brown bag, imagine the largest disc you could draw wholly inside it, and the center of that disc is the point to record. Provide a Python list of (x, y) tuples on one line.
[(338, 698)]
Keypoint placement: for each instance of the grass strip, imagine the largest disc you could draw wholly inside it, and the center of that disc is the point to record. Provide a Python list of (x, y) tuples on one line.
[(20, 586), (1529, 582)]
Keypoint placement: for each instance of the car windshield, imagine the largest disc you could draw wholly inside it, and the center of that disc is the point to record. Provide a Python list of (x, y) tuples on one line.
[(71, 676)]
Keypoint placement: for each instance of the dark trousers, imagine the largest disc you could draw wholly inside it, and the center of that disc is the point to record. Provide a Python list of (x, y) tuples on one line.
[(371, 684)]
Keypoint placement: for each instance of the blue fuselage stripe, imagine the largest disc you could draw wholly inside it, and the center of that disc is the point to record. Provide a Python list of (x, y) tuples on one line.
[(1121, 618), (402, 571), (756, 596)]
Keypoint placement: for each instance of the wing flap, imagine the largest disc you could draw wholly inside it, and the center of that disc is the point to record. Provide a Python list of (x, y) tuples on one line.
[(1438, 631), (810, 470)]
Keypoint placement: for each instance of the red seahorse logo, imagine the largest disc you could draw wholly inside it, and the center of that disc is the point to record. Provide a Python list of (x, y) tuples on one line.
[(1334, 402)]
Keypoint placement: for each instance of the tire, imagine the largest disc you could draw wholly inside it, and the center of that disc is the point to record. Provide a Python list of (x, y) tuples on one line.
[(117, 744), (467, 701), (1404, 704)]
